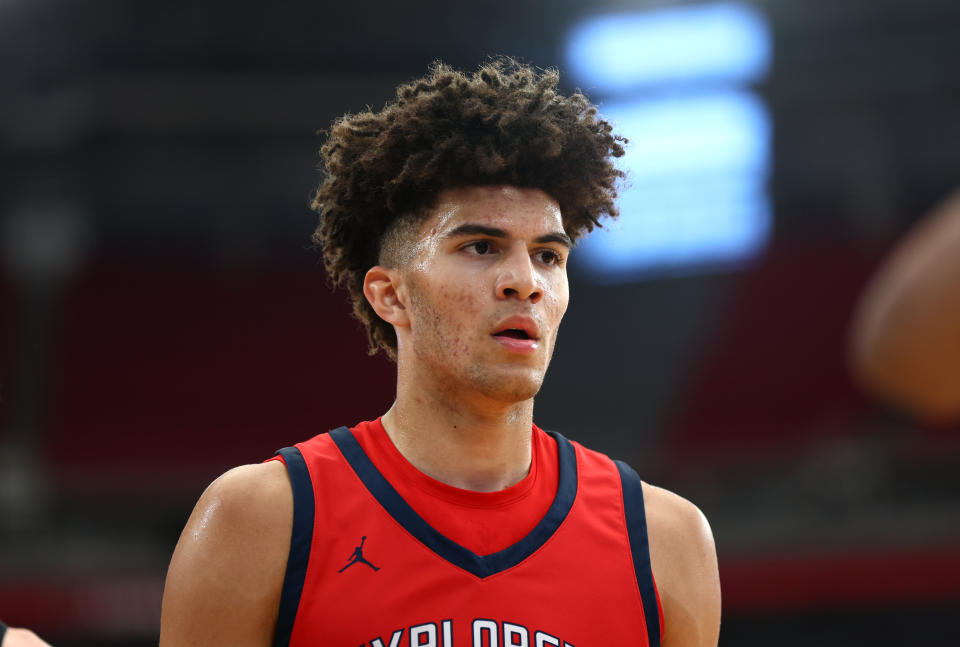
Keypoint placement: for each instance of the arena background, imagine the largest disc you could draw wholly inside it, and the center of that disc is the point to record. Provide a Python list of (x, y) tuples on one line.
[(162, 317)]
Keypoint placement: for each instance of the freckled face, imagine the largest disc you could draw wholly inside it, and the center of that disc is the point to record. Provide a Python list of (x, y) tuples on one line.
[(487, 290)]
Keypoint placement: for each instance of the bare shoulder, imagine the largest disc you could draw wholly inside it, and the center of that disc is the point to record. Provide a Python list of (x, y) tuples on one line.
[(677, 524), (225, 578), (684, 561), (249, 494)]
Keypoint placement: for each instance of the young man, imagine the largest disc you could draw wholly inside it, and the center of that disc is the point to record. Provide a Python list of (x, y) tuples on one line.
[(452, 519)]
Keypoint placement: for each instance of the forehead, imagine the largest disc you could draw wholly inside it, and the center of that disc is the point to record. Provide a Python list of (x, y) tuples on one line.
[(519, 211)]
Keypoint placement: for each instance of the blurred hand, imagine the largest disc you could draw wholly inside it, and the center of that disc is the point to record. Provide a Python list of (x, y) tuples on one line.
[(903, 342), (22, 638)]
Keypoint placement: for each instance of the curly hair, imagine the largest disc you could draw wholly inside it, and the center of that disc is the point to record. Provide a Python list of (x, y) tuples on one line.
[(503, 124)]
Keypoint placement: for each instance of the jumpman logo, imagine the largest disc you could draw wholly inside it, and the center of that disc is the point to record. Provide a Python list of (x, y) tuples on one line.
[(357, 556)]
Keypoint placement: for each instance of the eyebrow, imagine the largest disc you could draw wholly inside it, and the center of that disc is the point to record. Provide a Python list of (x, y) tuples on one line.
[(471, 229)]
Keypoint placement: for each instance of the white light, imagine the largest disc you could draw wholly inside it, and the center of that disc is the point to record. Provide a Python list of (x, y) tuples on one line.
[(719, 131), (664, 229), (714, 42), (696, 186)]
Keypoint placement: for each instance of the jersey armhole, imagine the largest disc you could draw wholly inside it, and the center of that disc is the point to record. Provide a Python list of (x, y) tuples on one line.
[(656, 591), (300, 540), (636, 519)]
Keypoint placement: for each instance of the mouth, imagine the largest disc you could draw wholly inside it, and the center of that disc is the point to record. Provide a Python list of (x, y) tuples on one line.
[(519, 327), (518, 335), (514, 333)]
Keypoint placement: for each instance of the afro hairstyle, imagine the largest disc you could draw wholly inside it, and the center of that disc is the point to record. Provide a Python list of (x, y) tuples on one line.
[(506, 123)]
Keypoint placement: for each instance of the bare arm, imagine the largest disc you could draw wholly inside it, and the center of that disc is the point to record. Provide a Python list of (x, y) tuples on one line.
[(905, 339), (224, 581), (684, 561), (21, 638)]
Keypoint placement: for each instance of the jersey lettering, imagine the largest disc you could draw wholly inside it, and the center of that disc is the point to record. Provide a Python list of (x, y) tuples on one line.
[(424, 635), (515, 635), (541, 639), (394, 640), (479, 626), (485, 633)]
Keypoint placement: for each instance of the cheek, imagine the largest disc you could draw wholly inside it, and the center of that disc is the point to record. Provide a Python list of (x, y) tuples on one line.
[(465, 311), (467, 301), (454, 312), (456, 302), (559, 298)]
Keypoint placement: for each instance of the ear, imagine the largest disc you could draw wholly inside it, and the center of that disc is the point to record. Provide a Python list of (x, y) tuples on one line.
[(383, 290)]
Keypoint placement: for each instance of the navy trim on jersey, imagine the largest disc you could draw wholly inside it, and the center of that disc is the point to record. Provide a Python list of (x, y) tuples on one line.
[(640, 547), (300, 540), (479, 565)]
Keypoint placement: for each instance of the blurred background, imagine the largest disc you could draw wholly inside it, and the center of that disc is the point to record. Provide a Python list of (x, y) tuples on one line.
[(163, 318)]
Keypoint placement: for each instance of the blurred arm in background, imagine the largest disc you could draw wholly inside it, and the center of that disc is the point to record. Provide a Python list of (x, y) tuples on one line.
[(905, 339), (13, 637)]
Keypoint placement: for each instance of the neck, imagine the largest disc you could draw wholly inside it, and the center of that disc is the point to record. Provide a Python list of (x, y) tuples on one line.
[(471, 443)]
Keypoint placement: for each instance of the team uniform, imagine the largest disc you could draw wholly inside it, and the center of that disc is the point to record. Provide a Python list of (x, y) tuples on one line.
[(382, 555)]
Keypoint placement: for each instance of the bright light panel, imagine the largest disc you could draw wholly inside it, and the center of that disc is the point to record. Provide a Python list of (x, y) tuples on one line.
[(719, 131), (696, 169), (714, 42)]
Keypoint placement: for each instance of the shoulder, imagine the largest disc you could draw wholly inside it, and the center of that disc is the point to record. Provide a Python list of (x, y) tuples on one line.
[(249, 492), (684, 561), (677, 524), (248, 500), (226, 574)]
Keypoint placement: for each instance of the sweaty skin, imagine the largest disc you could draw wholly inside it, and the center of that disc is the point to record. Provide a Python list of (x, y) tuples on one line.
[(489, 258)]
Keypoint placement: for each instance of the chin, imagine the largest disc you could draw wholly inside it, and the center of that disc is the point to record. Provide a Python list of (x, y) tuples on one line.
[(511, 386), (514, 396)]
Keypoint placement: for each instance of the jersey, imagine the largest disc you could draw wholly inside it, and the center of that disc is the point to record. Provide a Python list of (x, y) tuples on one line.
[(483, 522), (365, 569)]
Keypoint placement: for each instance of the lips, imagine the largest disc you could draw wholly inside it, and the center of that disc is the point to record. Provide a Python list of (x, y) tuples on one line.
[(518, 334), (518, 327), (515, 333)]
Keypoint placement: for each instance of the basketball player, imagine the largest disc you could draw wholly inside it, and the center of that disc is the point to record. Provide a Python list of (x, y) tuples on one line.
[(452, 519)]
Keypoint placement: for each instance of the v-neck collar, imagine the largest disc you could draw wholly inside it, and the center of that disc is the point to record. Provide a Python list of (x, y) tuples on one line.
[(479, 565)]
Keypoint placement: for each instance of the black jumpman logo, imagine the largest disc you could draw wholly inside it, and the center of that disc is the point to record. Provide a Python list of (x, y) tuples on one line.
[(358, 557)]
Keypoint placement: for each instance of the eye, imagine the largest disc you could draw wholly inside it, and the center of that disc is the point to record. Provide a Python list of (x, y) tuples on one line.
[(479, 248), (549, 257)]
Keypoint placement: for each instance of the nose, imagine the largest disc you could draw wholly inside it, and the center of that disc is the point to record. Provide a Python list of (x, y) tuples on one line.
[(517, 277)]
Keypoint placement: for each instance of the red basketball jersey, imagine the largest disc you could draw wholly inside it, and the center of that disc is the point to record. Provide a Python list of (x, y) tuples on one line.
[(366, 570)]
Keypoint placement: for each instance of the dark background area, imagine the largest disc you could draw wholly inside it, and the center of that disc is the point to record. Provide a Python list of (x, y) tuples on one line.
[(162, 317)]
